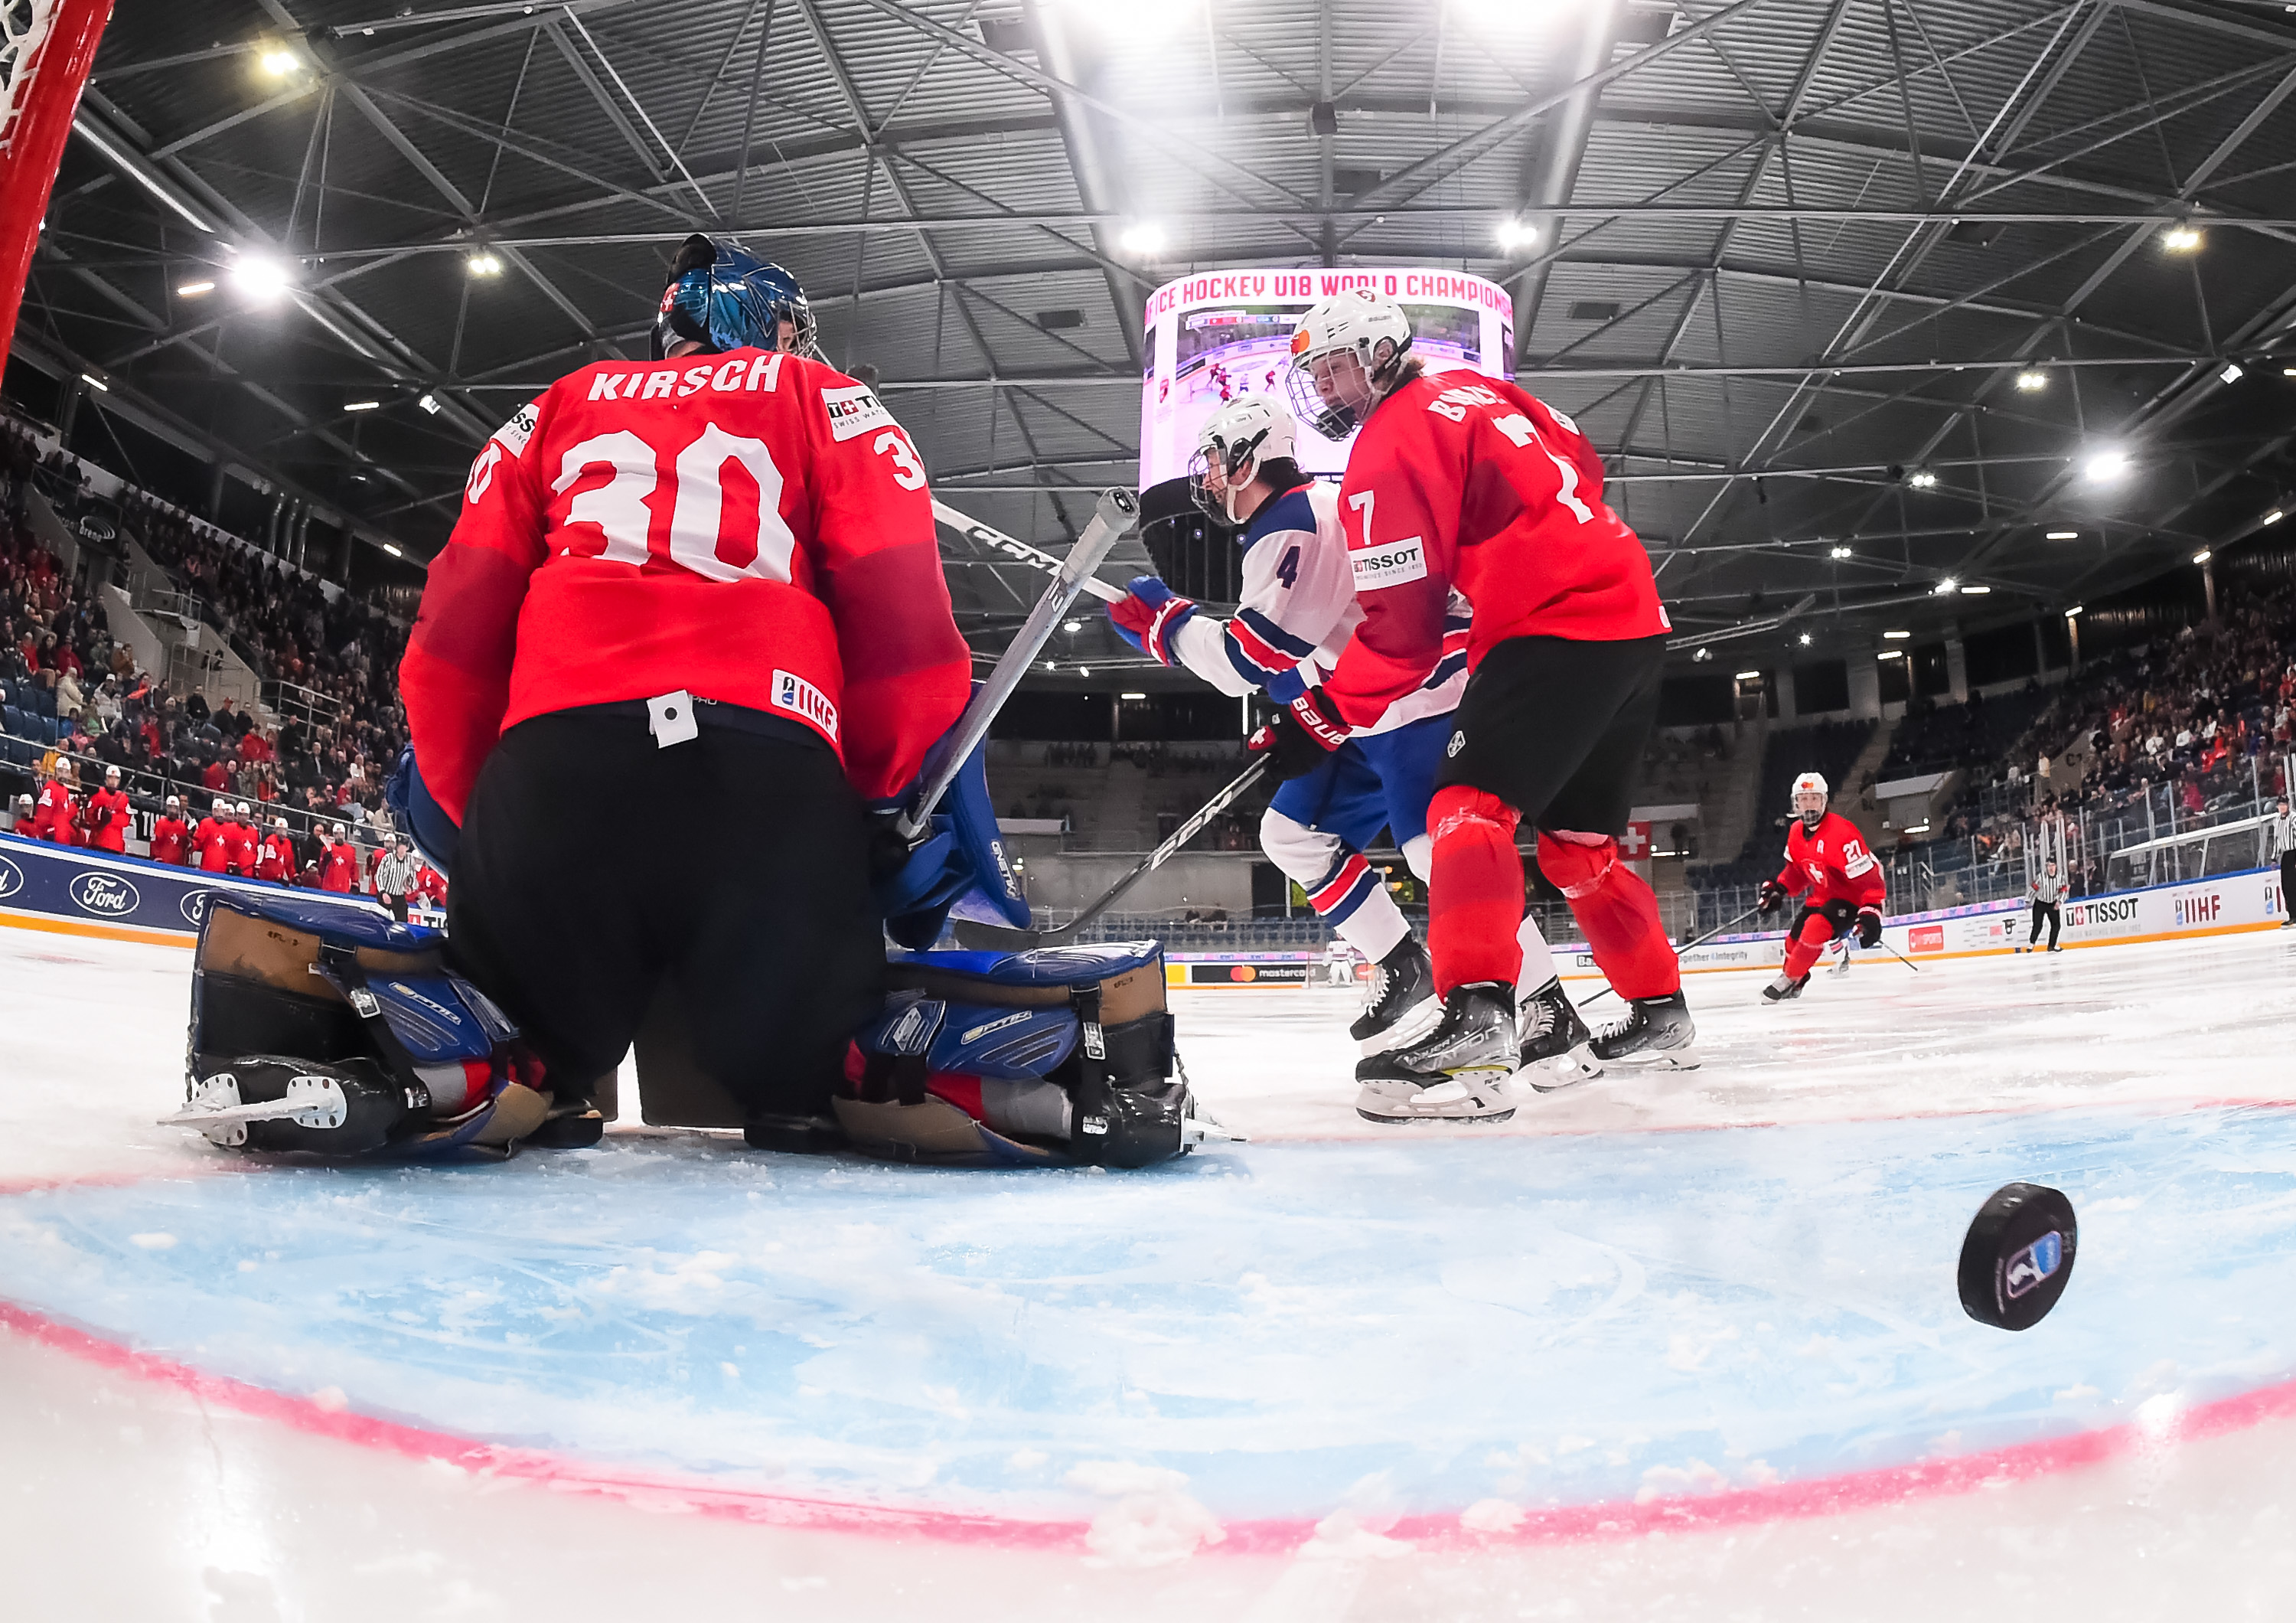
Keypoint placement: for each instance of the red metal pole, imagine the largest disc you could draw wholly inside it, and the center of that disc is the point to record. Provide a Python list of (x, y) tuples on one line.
[(46, 87)]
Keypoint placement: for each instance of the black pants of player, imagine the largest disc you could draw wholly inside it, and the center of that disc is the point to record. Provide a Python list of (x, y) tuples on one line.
[(593, 864), (2053, 914), (2287, 884), (1841, 917), (1556, 728)]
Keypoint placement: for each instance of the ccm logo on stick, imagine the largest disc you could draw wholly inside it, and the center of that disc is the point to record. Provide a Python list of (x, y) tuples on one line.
[(1390, 564)]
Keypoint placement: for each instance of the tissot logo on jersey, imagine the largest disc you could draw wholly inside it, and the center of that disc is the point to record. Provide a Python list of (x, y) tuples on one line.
[(794, 694), (854, 411), (1392, 564)]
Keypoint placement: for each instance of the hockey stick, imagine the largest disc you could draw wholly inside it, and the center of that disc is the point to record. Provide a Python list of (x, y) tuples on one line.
[(1900, 957), (989, 938), (972, 529), (1691, 945), (1115, 514)]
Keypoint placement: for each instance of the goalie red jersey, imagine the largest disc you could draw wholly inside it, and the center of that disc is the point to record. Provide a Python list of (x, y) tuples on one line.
[(1831, 863), (751, 527)]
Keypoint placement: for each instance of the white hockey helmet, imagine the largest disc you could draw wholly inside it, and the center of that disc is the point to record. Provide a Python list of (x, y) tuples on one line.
[(1345, 353), (1234, 443), (1810, 783), (245, 810), (222, 807)]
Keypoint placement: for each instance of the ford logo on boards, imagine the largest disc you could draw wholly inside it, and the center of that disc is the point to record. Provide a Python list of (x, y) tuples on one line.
[(194, 906), (106, 896), (12, 877)]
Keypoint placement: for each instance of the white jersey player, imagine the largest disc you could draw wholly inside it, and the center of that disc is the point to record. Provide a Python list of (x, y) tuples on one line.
[(1298, 611)]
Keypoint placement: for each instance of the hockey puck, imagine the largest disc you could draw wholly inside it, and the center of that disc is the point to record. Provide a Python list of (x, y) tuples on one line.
[(2018, 1256)]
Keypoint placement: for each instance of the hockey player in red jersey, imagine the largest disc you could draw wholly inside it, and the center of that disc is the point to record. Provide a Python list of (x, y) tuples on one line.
[(339, 868), (710, 580), (213, 838), (57, 818), (1825, 858), (171, 835), (243, 841), (108, 815), (1456, 480), (275, 859)]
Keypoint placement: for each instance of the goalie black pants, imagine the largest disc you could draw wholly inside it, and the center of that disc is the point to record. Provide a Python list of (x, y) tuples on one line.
[(594, 864)]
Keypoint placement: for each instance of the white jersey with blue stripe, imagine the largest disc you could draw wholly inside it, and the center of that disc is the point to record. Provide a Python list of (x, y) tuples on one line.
[(1300, 609)]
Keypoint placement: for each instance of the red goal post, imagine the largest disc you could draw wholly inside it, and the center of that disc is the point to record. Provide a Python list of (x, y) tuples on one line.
[(47, 47)]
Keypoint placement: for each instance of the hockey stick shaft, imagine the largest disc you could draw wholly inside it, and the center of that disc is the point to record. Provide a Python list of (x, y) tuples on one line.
[(1900, 957), (972, 529), (1115, 514), (1687, 946), (1164, 853)]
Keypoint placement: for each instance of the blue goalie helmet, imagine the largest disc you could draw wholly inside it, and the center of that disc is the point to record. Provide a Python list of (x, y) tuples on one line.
[(727, 298)]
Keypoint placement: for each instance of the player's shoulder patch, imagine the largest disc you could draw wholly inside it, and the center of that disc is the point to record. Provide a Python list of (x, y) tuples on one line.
[(855, 409), (1389, 563), (514, 434)]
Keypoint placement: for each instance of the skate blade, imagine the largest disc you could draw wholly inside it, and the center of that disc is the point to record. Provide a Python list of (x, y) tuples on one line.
[(1683, 1058), (1395, 1103), (1564, 1071), (1417, 1021)]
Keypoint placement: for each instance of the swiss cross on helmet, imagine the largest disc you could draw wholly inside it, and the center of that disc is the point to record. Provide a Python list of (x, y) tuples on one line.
[(1235, 442), (725, 297), (1346, 352), (1810, 798)]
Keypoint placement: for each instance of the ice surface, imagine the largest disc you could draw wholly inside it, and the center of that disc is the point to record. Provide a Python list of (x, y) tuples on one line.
[(1682, 1344)]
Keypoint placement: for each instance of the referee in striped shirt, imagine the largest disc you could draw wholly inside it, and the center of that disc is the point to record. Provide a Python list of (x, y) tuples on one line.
[(394, 878), (2282, 832)]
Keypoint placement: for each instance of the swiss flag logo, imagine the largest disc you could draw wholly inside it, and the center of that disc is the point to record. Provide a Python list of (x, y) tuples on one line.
[(1636, 844)]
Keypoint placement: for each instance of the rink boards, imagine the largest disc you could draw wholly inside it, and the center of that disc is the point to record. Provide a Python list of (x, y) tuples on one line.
[(2221, 904), (78, 891)]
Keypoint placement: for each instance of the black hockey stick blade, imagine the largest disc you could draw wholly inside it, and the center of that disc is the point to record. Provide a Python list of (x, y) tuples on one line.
[(996, 938)]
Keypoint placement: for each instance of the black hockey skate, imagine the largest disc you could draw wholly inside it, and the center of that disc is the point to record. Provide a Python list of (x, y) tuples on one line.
[(1656, 1032), (1402, 1006), (1457, 1072), (1554, 1038), (1785, 986)]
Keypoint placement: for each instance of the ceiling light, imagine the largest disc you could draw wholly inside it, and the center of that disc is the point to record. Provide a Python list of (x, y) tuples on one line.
[(483, 265), (1890, 654), (1142, 237), (1515, 234), (1805, 640), (2231, 374), (1840, 552), (1131, 695), (1947, 587), (2073, 613), (2064, 535), (94, 382), (1072, 625), (260, 278), (2274, 516), (1896, 636), (278, 63), (392, 550), (2180, 239), (429, 402), (2202, 556), (193, 290), (2288, 371), (1703, 653), (361, 405), (1052, 665), (1923, 481), (1975, 591), (2031, 379), (2106, 465), (1750, 676), (1084, 670)]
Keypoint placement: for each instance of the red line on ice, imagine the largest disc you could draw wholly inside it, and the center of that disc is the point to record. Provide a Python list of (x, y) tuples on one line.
[(1611, 1520)]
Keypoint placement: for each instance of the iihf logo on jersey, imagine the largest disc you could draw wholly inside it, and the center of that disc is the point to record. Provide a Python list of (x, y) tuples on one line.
[(2033, 1265)]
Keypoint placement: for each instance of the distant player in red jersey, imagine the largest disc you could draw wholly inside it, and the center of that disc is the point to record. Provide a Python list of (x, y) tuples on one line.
[(243, 841), (108, 815), (213, 838), (1460, 481), (712, 580), (56, 821), (339, 868), (171, 835), (1826, 859), (276, 859)]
